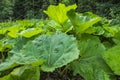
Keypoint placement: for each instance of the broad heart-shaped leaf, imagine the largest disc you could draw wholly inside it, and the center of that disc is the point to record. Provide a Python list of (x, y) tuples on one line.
[(23, 73), (59, 13), (57, 50), (112, 58), (91, 65), (83, 21)]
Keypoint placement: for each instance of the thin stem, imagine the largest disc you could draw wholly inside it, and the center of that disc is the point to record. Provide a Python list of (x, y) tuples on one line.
[(3, 57), (64, 70)]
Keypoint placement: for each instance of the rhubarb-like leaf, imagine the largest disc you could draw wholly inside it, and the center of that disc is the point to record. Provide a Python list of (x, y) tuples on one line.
[(91, 66), (59, 13), (57, 50)]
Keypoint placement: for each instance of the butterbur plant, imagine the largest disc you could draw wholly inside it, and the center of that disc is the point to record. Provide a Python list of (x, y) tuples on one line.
[(67, 38)]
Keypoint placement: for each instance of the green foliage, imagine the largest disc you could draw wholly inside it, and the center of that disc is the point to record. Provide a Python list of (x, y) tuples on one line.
[(56, 50), (111, 56), (81, 42), (89, 71), (91, 65), (20, 28), (82, 22), (23, 73)]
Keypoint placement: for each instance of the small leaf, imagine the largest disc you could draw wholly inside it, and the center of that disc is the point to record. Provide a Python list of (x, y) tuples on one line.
[(112, 58), (30, 32), (113, 29)]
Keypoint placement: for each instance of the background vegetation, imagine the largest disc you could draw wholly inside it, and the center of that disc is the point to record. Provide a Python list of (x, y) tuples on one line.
[(33, 9)]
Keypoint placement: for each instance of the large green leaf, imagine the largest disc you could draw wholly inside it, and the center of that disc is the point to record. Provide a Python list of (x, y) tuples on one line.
[(59, 13), (16, 58), (91, 65), (57, 50), (83, 21), (23, 73), (112, 58)]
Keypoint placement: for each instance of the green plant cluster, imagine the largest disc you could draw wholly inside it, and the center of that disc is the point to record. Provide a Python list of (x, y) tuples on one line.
[(84, 43)]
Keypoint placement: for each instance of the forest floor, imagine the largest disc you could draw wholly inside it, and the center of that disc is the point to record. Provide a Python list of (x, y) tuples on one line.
[(57, 75)]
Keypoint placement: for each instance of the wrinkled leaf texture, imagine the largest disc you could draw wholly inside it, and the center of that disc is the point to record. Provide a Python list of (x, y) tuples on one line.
[(53, 50), (91, 66)]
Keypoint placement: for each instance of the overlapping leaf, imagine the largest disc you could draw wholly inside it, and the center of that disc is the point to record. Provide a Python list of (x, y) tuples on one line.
[(30, 32), (22, 28), (23, 73), (91, 65), (89, 71), (66, 27), (112, 58), (82, 22)]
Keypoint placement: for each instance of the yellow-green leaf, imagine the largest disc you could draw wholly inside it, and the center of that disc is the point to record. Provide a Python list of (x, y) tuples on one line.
[(59, 13)]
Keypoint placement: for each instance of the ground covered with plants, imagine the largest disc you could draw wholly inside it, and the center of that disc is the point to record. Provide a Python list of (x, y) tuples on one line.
[(66, 46)]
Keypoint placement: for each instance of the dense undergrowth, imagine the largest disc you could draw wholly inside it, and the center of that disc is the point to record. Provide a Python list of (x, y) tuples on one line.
[(68, 43)]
